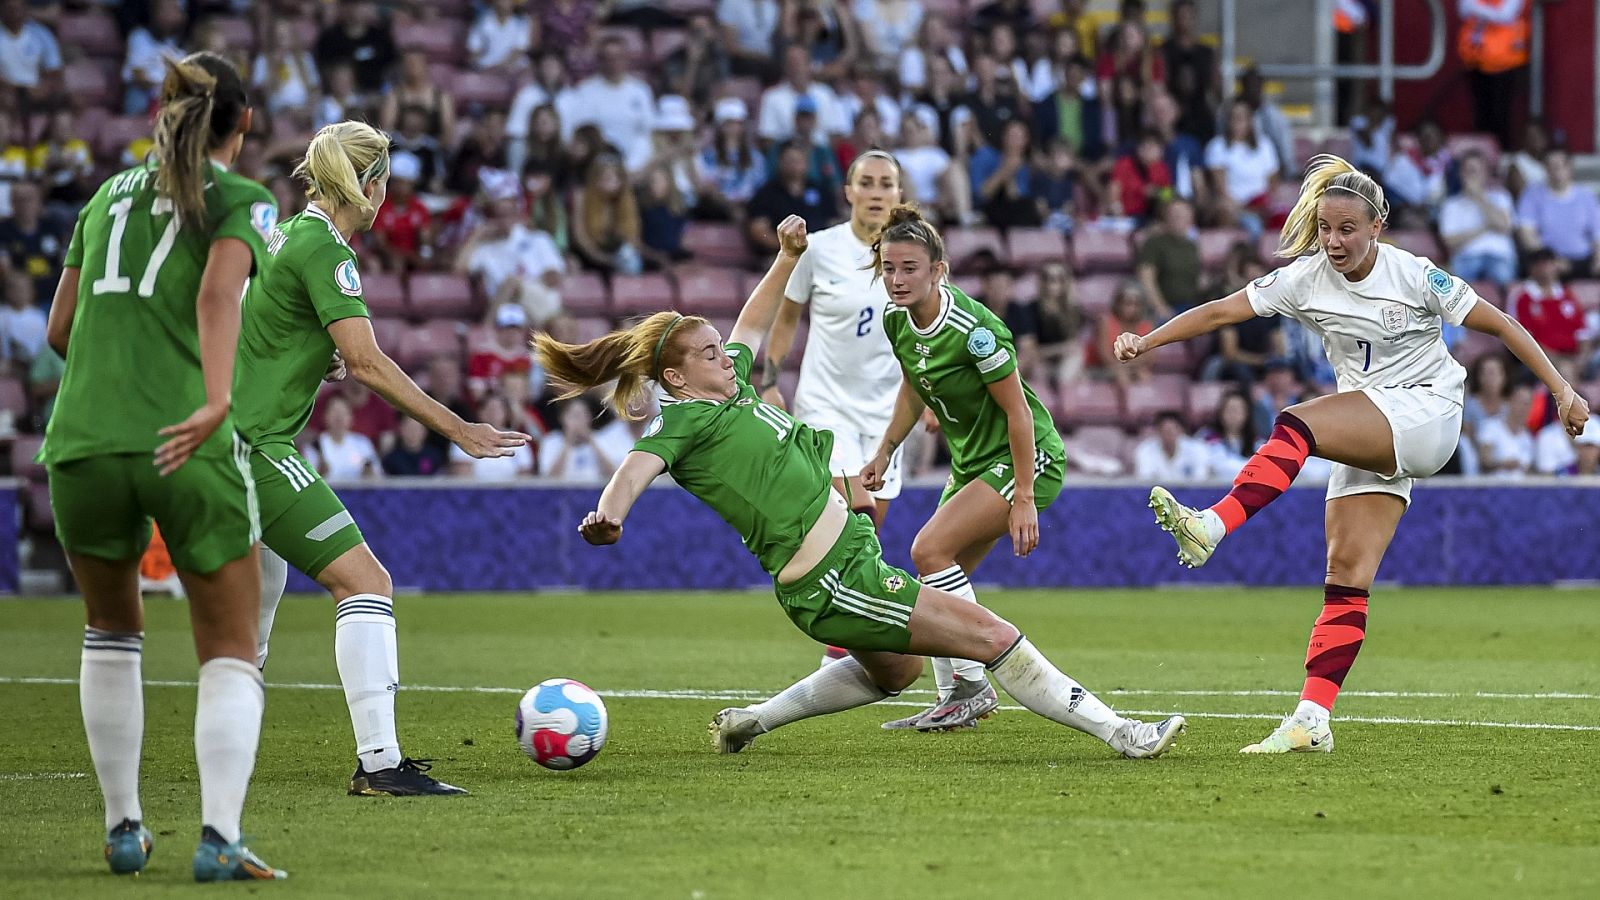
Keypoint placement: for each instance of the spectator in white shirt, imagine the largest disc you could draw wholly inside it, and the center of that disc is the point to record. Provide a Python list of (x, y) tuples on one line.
[(1244, 167), (142, 69), (344, 454), (574, 453), (936, 40), (776, 120), (620, 105), (1505, 444), (515, 263), (1476, 226), (888, 27), (28, 51), (495, 411), (549, 87), (499, 41), (285, 72), (22, 322), (747, 30), (1171, 455)]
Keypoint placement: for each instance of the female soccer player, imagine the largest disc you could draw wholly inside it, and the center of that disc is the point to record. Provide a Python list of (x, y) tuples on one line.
[(1007, 461), (849, 374), (147, 316), (767, 475), (1395, 418), (307, 304)]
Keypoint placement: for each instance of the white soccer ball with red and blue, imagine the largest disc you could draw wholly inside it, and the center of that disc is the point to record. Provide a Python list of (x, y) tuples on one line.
[(561, 723)]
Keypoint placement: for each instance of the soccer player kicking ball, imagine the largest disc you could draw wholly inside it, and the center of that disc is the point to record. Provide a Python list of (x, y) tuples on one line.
[(1006, 459), (307, 304), (1395, 418), (767, 475), (147, 316)]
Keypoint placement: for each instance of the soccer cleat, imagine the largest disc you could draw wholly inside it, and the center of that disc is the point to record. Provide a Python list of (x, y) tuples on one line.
[(217, 860), (1186, 526), (409, 779), (1295, 736), (910, 721), (1147, 740), (969, 702), (128, 847), (734, 729)]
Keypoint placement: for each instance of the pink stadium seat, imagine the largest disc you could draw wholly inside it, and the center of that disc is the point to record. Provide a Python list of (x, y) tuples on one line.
[(584, 294), (425, 341), (489, 89), (390, 334), (385, 294), (1204, 398), (717, 244), (1094, 293), (436, 295), (1025, 285), (116, 134), (665, 42), (1339, 145), (1215, 244), (1101, 250), (636, 295), (1267, 249), (1172, 358), (1491, 292), (1474, 345), (1417, 241), (1088, 403), (94, 32), (1305, 147), (24, 447), (237, 31), (706, 291), (590, 328), (88, 123), (961, 245), (89, 84), (1158, 393), (444, 40), (1486, 144), (1587, 292), (1102, 440), (1033, 247)]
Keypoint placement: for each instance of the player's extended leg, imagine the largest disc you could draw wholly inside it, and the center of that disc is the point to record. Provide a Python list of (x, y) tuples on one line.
[(274, 578), (861, 678), (1360, 528), (1344, 428)]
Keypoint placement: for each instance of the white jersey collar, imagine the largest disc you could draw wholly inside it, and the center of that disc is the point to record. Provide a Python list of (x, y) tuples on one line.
[(945, 300)]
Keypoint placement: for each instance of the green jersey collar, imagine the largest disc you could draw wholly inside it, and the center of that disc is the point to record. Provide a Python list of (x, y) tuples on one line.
[(938, 322), (316, 212)]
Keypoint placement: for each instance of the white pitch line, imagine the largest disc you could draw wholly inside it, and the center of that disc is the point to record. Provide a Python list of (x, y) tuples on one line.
[(747, 695), (42, 776)]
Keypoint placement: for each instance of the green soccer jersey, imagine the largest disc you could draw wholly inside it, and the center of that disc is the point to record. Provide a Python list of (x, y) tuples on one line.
[(765, 473), (951, 365), (310, 282), (133, 362)]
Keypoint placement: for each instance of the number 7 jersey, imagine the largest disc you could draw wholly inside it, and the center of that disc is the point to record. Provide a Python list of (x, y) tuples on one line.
[(133, 361), (763, 472)]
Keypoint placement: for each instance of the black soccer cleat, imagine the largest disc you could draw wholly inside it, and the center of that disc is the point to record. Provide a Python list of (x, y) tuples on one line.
[(409, 779)]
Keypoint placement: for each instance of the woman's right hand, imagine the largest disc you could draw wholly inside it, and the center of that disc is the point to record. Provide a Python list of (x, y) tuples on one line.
[(599, 529), (1129, 346), (792, 236), (483, 441), (872, 473)]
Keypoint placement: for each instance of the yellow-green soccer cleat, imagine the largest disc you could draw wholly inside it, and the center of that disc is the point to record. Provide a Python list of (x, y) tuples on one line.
[(1295, 736), (1186, 526), (734, 729)]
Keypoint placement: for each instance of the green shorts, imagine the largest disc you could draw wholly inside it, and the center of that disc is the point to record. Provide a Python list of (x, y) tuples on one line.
[(206, 509), (302, 519), (853, 599), (1049, 468)]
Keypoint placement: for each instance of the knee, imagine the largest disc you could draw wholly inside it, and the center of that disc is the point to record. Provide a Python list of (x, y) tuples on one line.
[(998, 635), (928, 557), (347, 581), (1350, 567)]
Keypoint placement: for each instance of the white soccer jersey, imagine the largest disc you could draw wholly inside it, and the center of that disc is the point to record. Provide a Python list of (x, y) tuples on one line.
[(1382, 331), (849, 377)]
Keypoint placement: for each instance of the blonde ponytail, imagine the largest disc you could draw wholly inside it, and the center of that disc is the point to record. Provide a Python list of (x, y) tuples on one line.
[(202, 99), (633, 358), (341, 161), (1325, 173)]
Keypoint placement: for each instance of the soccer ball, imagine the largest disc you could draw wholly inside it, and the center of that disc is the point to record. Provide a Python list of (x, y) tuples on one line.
[(561, 723)]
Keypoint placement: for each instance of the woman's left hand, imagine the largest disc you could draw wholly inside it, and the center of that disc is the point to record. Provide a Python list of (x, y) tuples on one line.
[(792, 236), (1024, 528), (1574, 411)]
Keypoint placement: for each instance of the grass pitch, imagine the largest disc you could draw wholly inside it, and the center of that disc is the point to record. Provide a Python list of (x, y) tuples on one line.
[(1409, 805)]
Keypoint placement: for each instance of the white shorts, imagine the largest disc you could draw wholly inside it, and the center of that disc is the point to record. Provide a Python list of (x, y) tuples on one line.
[(852, 450), (1426, 427)]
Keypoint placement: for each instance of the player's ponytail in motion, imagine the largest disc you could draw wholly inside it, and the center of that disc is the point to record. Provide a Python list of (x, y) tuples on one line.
[(633, 358), (202, 98), (1325, 173), (907, 226), (342, 160)]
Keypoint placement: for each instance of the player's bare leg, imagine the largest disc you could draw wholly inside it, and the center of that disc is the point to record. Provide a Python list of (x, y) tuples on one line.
[(1359, 531)]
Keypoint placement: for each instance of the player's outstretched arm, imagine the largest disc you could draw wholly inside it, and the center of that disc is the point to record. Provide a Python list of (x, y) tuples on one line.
[(1574, 410), (756, 317), (908, 408), (218, 315), (1024, 521), (1191, 323), (59, 326), (780, 341), (604, 524), (368, 364)]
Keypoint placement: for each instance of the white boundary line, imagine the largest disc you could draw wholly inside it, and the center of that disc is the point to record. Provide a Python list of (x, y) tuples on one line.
[(749, 695)]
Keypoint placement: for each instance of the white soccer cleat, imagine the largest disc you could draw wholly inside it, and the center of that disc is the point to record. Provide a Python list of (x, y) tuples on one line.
[(1295, 736), (734, 729), (1147, 740), (1186, 526), (969, 702)]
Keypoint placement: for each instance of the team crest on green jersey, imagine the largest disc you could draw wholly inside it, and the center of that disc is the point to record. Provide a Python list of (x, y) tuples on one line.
[(263, 217), (894, 584), (348, 279), (981, 342)]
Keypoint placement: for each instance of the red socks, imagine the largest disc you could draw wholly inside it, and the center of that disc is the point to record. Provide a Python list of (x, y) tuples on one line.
[(1335, 641), (1268, 473)]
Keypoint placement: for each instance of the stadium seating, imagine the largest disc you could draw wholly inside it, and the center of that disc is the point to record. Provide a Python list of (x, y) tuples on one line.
[(1089, 403), (1215, 244), (584, 294), (24, 447), (1097, 249), (390, 334), (635, 295), (1419, 242), (88, 83), (385, 294), (1158, 393), (1203, 398), (718, 244), (441, 295), (709, 292), (962, 246), (423, 342), (93, 32), (1032, 247)]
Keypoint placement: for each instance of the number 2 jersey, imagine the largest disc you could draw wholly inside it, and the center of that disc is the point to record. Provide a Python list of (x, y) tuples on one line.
[(133, 360), (763, 472), (1381, 331), (951, 365)]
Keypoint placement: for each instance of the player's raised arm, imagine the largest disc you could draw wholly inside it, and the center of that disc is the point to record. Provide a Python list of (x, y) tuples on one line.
[(604, 524), (1572, 408), (756, 317), (1191, 323)]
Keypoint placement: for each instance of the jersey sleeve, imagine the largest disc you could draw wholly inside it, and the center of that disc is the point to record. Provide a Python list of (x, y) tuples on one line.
[(1278, 293), (744, 360), (334, 285), (1444, 294), (670, 436), (250, 216), (74, 257), (798, 290), (991, 348)]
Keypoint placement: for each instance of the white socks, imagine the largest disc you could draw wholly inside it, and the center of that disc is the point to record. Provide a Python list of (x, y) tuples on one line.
[(836, 687), (952, 581), (1035, 683), (1312, 713), (274, 577), (1215, 530), (227, 729), (111, 693), (369, 668)]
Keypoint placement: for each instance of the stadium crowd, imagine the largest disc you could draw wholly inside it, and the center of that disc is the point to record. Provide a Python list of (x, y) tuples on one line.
[(565, 164)]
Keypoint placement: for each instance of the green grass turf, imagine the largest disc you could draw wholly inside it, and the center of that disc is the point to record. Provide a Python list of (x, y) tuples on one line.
[(836, 807)]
